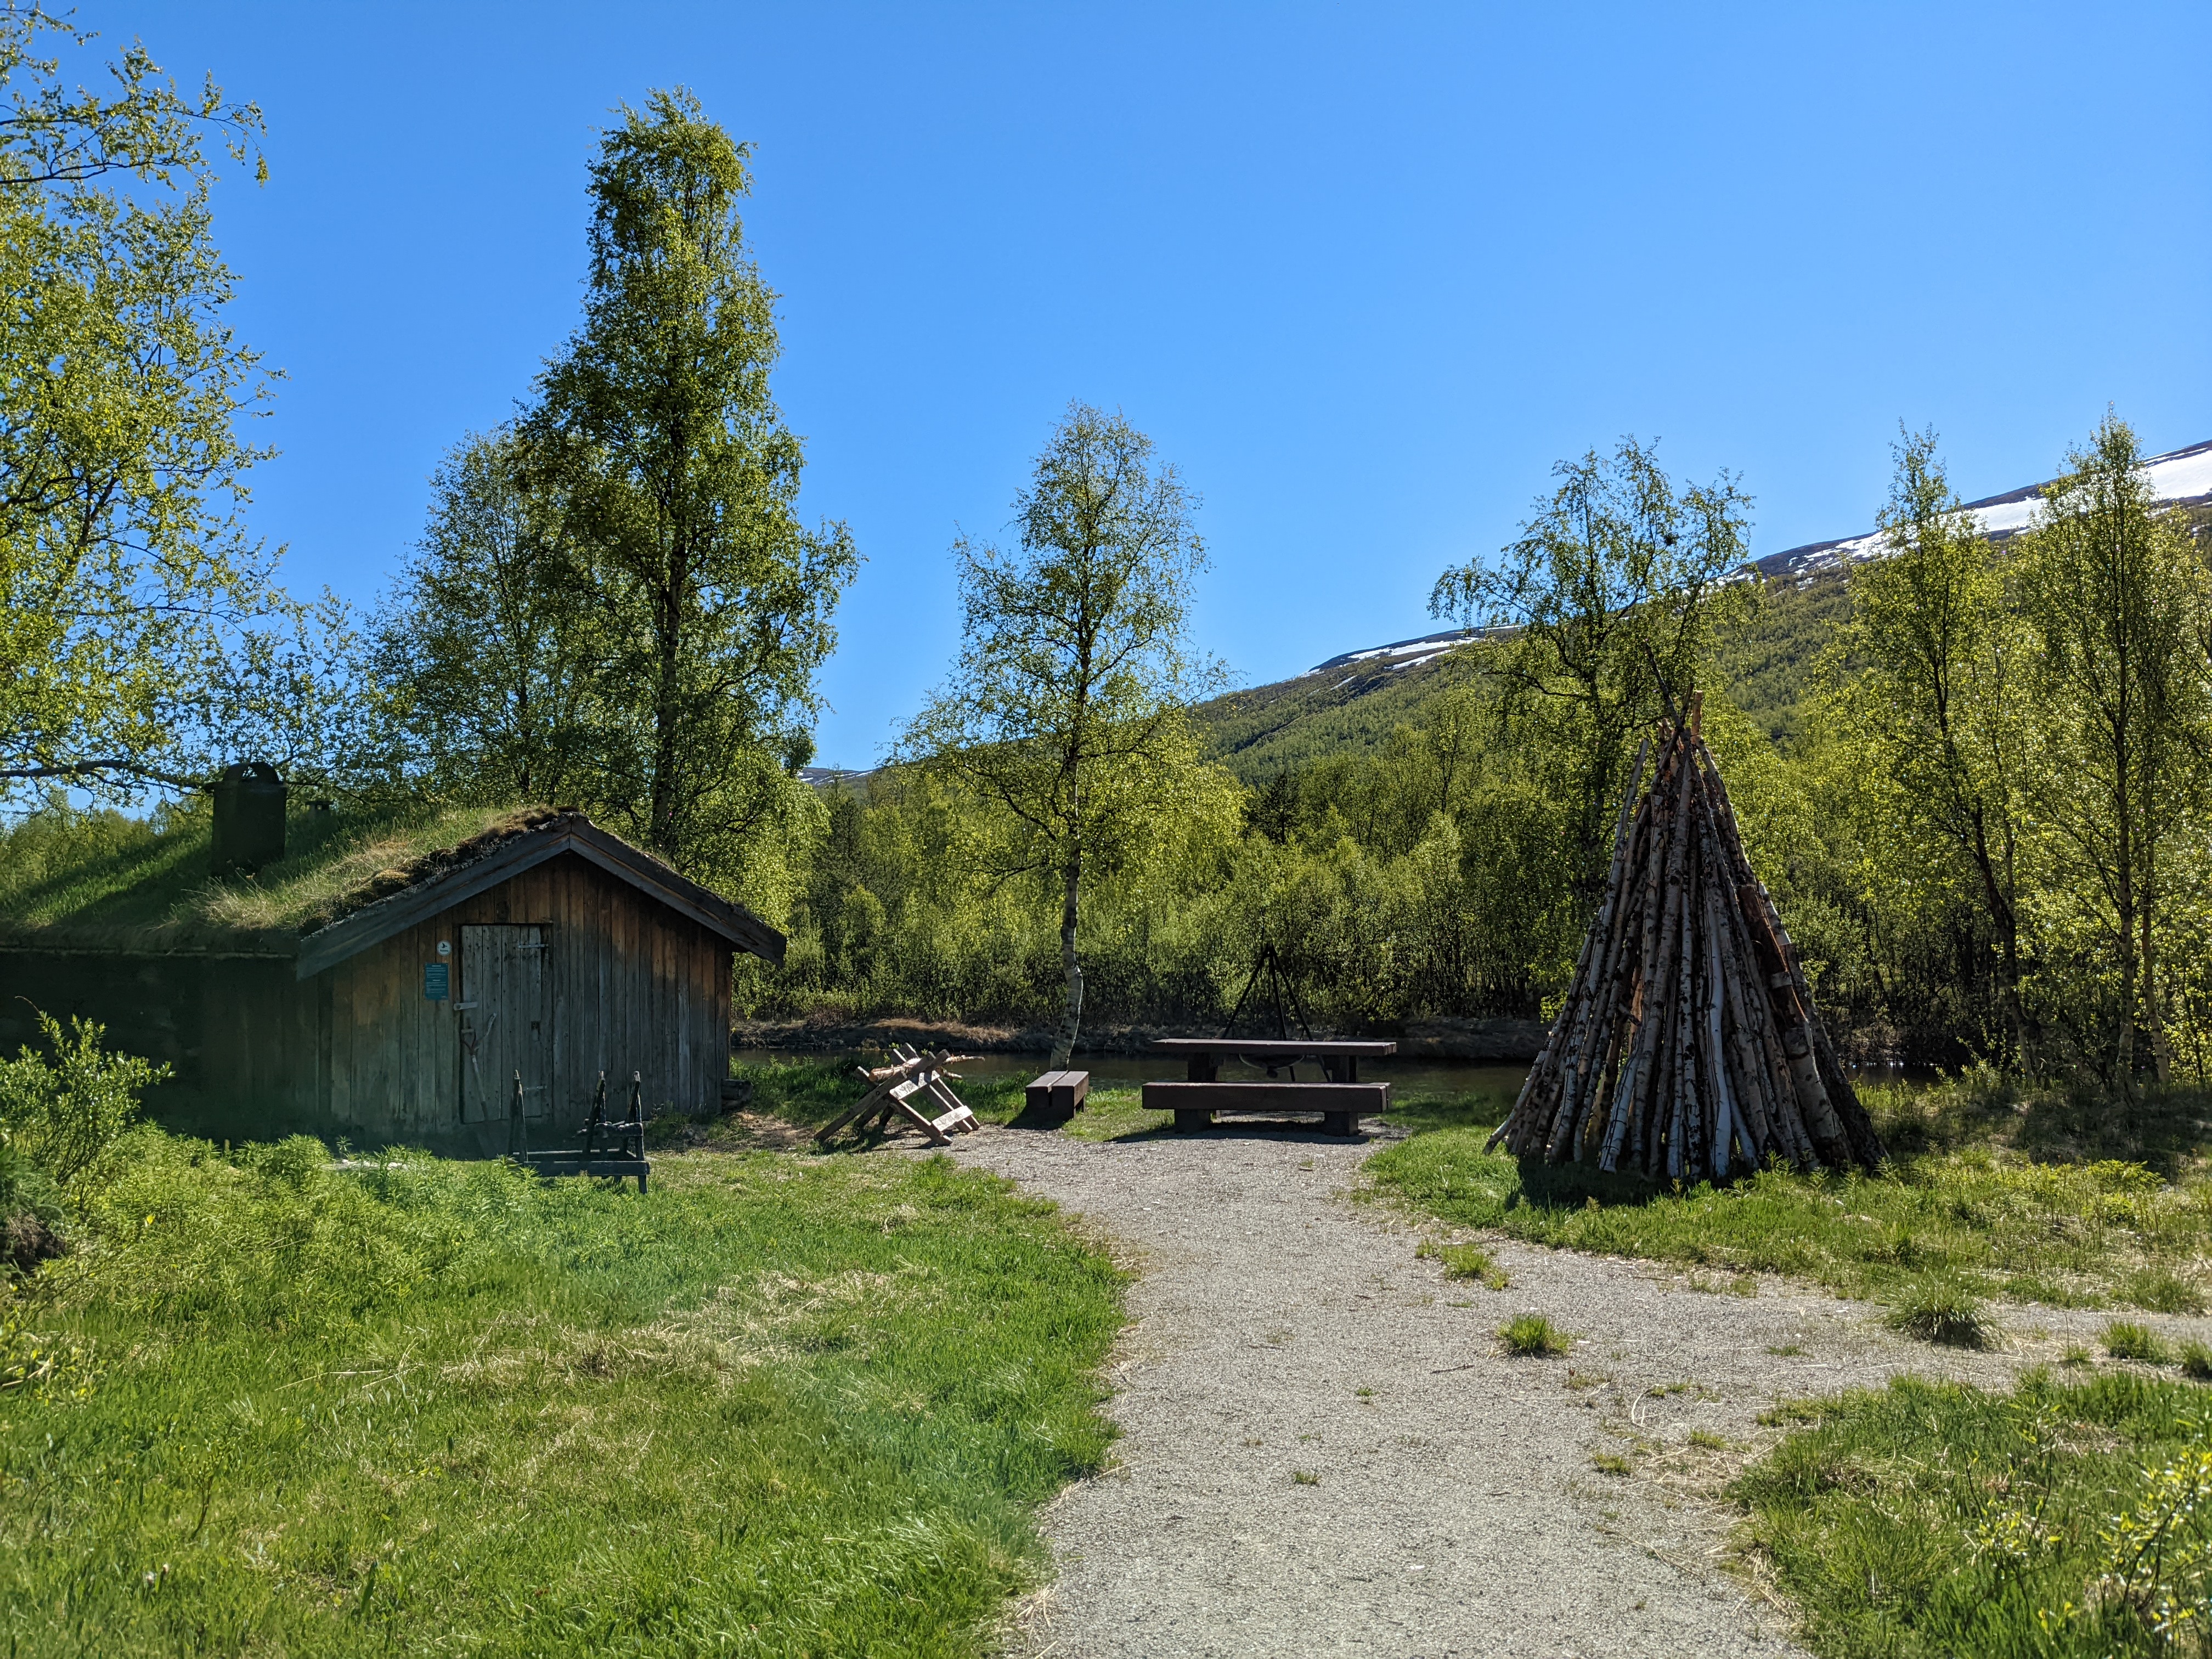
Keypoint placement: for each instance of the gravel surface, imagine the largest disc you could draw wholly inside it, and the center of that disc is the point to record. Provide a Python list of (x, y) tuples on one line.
[(1322, 1452)]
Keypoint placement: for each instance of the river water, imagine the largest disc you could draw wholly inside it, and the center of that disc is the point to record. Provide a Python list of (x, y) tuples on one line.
[(1405, 1076)]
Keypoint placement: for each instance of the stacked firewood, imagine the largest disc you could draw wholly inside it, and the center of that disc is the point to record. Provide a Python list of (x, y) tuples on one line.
[(1687, 1046)]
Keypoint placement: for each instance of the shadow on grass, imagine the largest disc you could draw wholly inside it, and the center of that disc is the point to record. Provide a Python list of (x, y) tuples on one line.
[(1425, 1109), (1247, 1129), (2080, 1120), (2163, 1127)]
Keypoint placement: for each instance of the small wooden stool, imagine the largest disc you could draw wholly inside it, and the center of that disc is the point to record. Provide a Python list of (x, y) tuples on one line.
[(1058, 1094)]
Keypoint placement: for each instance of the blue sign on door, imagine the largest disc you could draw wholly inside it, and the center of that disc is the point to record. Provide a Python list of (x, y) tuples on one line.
[(435, 980)]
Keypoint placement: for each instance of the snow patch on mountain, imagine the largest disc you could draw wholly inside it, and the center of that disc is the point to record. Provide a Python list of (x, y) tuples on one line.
[(2180, 478)]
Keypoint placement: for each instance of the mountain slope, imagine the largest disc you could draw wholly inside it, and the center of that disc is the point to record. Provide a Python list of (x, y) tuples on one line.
[(2180, 478), (1354, 700)]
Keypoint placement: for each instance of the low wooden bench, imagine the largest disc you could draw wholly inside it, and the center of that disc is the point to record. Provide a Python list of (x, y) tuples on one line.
[(1341, 1105), (1057, 1094)]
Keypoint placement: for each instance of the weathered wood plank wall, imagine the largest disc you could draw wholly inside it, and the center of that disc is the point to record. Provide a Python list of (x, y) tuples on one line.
[(359, 1051)]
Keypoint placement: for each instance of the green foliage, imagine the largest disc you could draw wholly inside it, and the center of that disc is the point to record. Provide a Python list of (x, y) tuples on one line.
[(2121, 608), (1936, 715), (1769, 658), (1063, 719), (489, 640), (125, 572), (63, 1115), (676, 473), (1425, 878), (614, 603), (1606, 604), (1345, 715), (2061, 1522), (335, 1406), (1923, 753), (1532, 1336)]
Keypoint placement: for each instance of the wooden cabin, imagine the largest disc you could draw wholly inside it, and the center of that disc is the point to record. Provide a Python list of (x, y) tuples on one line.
[(534, 957)]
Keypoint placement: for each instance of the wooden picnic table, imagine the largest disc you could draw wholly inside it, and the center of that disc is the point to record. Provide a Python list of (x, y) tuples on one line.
[(1339, 1095)]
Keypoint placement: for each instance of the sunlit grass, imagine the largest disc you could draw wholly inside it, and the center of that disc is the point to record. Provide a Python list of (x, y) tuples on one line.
[(1982, 1220), (105, 870), (783, 1404), (1930, 1518)]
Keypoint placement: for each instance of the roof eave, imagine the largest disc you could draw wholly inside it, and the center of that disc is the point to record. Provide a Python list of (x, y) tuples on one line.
[(328, 946)]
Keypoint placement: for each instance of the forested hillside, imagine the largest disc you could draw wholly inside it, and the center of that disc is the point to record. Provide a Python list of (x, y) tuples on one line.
[(1767, 666)]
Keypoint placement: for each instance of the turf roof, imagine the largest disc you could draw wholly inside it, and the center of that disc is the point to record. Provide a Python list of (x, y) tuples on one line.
[(104, 870)]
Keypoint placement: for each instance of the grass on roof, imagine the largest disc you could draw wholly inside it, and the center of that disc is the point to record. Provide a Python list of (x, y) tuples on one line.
[(107, 869)]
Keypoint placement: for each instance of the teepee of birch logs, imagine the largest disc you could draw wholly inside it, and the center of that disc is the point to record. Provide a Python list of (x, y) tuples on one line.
[(1687, 1046)]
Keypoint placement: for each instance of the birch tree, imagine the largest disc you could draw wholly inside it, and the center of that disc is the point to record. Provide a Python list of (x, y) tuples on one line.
[(2117, 600), (490, 642), (1939, 702), (678, 483), (1614, 586), (125, 569), (1065, 709)]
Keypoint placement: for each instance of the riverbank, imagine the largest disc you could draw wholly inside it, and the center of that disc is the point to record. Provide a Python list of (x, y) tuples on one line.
[(1495, 1042)]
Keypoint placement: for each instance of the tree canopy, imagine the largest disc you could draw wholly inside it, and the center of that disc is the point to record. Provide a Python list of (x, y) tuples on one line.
[(1066, 708), (126, 569), (615, 601)]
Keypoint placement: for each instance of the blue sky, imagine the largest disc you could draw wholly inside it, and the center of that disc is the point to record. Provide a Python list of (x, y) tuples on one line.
[(1363, 272)]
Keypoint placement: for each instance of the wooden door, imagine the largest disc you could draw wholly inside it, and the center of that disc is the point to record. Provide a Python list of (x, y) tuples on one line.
[(506, 1025)]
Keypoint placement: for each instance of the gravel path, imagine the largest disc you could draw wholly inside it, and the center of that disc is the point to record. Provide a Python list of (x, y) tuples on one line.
[(1323, 1454)]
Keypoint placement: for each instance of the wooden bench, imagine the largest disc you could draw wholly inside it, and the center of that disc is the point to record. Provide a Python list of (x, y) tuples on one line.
[(1341, 1105), (1057, 1094)]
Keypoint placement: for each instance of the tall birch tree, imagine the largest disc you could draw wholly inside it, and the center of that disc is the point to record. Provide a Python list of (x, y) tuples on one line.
[(678, 483), (2117, 599), (125, 569), (1066, 708), (1939, 702), (1611, 590)]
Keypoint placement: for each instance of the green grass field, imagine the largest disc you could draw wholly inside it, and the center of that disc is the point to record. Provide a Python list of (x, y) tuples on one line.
[(2063, 1520), (783, 1404), (1975, 1218)]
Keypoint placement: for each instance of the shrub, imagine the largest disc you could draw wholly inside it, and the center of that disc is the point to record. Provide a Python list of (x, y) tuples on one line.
[(61, 1116), (2124, 1340), (1533, 1336), (30, 1212), (1941, 1308)]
